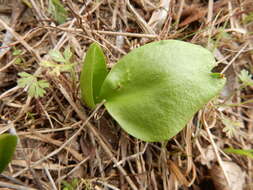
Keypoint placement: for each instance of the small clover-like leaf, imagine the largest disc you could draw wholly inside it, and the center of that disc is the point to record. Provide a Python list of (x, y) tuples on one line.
[(8, 144), (246, 78), (58, 68), (231, 127), (36, 88), (93, 74), (26, 79)]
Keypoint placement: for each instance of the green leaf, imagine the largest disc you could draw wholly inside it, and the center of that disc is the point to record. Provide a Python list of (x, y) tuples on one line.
[(26, 79), (246, 78), (248, 18), (92, 76), (153, 91), (58, 11), (35, 87), (248, 153), (56, 56), (67, 54), (58, 68), (7, 147), (231, 127), (17, 52), (48, 64), (217, 75)]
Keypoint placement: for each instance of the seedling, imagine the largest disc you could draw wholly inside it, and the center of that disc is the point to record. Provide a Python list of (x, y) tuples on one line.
[(70, 185), (8, 144), (60, 62), (64, 62), (57, 10), (246, 78), (153, 91), (231, 127), (36, 88)]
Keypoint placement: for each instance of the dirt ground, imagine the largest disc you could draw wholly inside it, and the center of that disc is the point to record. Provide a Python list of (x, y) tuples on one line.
[(65, 145)]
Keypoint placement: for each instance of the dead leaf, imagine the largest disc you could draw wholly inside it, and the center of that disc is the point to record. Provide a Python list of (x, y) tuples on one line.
[(208, 156), (235, 175), (49, 166), (178, 174), (195, 13), (159, 16), (230, 85)]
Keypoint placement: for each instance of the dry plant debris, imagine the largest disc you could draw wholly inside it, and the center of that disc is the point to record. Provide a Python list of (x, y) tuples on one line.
[(65, 145)]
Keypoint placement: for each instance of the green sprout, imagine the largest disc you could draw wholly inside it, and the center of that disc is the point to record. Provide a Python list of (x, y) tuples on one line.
[(36, 88), (70, 185), (64, 61), (246, 78), (231, 127), (153, 91)]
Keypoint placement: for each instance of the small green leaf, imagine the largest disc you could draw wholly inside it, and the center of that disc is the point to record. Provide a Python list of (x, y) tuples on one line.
[(70, 185), (231, 127), (35, 87), (48, 64), (67, 54), (58, 11), (24, 74), (17, 52), (248, 153), (56, 56), (58, 68), (217, 75), (153, 91), (246, 78), (7, 148), (92, 76), (248, 18), (18, 61)]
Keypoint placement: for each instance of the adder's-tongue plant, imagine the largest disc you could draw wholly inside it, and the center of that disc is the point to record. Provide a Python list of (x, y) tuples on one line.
[(154, 90), (8, 144)]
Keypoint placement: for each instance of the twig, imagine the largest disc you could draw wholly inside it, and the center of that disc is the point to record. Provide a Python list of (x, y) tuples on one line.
[(50, 178), (215, 148), (12, 186), (63, 145), (132, 156), (100, 140), (17, 9), (128, 34), (235, 57), (21, 40), (145, 27), (210, 11), (74, 169)]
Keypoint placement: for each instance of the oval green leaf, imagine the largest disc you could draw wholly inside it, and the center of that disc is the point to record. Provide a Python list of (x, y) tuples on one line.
[(153, 91), (7, 148), (93, 75)]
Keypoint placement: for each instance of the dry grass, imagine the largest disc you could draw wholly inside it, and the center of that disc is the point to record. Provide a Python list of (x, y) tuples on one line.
[(61, 140)]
